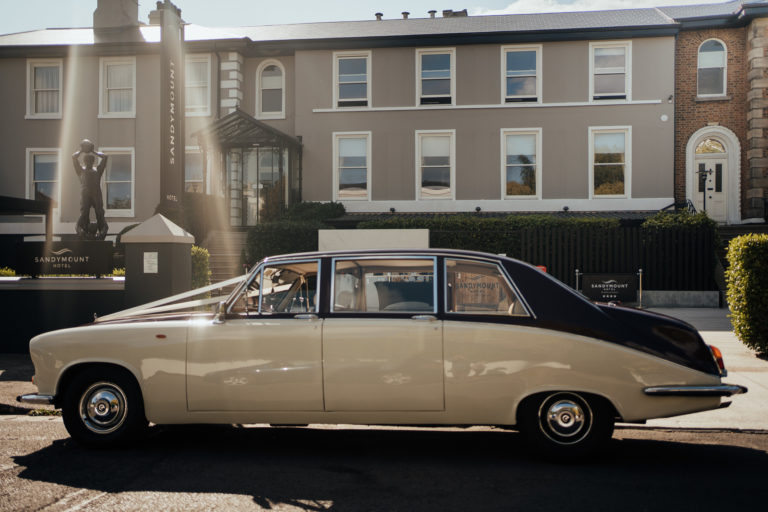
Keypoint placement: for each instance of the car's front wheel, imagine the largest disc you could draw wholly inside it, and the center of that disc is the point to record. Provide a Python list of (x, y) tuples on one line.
[(566, 424), (103, 407)]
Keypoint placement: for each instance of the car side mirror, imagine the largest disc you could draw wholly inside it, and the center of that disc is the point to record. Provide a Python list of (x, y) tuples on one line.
[(220, 312)]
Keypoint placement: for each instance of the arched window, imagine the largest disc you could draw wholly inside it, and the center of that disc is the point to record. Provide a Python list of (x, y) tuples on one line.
[(270, 93), (711, 76)]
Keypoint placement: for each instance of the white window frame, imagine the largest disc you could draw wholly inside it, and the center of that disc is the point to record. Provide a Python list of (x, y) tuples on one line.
[(627, 131), (337, 56), (31, 65), (435, 51), (270, 115), (725, 69), (627, 45), (120, 212), (520, 48), (368, 145), (503, 138), (426, 133), (199, 150), (30, 181), (204, 110), (103, 103)]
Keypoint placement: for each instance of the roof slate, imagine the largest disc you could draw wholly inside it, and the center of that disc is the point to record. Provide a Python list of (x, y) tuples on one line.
[(456, 26), (681, 12), (412, 27)]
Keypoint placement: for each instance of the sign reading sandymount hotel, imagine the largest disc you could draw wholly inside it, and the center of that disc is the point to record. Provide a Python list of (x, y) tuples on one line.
[(610, 287), (40, 258)]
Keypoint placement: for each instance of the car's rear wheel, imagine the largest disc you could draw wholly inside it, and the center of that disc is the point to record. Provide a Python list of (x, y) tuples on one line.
[(103, 407), (566, 424)]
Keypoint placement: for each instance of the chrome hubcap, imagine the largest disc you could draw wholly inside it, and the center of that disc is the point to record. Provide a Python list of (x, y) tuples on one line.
[(565, 418), (103, 407)]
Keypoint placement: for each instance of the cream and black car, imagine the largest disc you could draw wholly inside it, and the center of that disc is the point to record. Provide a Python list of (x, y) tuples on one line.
[(432, 337)]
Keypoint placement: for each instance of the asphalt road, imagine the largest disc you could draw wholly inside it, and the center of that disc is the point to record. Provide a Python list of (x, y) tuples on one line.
[(253, 468)]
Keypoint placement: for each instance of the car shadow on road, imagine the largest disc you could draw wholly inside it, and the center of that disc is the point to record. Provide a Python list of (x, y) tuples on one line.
[(319, 469)]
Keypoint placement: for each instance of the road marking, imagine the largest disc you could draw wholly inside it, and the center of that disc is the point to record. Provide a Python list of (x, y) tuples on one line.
[(85, 502), (74, 496)]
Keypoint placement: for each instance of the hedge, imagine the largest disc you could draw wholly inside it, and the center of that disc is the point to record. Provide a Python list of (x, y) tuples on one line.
[(201, 271), (297, 232), (747, 279), (488, 234), (281, 237)]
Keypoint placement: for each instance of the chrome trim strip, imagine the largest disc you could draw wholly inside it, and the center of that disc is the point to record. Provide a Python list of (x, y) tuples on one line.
[(719, 390), (35, 399)]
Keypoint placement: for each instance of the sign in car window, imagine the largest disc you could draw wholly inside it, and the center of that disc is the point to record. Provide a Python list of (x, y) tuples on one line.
[(610, 287), (477, 287)]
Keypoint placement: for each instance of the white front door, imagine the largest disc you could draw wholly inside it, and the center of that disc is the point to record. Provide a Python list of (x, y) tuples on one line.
[(710, 179)]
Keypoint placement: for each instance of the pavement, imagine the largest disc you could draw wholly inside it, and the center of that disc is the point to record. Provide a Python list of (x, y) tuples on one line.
[(747, 412)]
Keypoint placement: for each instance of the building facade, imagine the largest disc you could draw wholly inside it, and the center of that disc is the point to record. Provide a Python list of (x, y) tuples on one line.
[(613, 111)]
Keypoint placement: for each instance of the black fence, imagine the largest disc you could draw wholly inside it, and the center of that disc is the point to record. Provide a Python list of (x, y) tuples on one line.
[(671, 259)]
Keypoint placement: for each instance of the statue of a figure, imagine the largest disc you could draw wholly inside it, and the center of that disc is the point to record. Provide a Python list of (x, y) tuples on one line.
[(90, 191)]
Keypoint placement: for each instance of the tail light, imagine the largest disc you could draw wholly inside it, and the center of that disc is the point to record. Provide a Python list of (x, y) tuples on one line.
[(718, 357)]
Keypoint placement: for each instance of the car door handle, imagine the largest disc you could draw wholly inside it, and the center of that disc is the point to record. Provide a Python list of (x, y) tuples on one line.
[(424, 318), (306, 316)]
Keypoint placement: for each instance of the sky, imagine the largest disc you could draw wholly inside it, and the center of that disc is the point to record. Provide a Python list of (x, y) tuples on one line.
[(24, 15)]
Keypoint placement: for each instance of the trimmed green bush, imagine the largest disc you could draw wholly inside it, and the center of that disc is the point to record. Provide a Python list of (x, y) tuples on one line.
[(667, 220), (314, 211), (201, 272), (296, 232), (7, 272), (281, 237), (747, 278), (487, 234)]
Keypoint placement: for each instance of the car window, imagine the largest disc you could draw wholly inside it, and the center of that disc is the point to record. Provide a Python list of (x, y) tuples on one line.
[(281, 288), (384, 285), (480, 288)]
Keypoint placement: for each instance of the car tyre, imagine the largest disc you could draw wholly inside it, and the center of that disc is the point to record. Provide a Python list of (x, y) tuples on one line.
[(104, 407), (566, 425)]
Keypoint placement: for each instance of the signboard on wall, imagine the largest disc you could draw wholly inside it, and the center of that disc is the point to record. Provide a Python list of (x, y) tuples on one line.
[(41, 258), (172, 104), (610, 287)]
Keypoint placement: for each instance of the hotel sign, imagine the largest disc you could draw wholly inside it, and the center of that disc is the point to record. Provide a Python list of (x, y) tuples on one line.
[(78, 257), (172, 106), (610, 287)]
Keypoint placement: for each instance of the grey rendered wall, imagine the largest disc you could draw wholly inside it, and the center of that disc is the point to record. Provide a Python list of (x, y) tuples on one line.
[(80, 120), (565, 151)]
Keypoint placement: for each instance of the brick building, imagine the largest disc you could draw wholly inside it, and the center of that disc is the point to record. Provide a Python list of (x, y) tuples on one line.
[(720, 63)]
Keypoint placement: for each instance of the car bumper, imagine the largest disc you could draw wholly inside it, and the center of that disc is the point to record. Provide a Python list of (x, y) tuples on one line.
[(719, 390), (35, 399)]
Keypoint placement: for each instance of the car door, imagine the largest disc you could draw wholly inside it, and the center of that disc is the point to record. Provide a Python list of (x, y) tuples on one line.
[(382, 340), (265, 354)]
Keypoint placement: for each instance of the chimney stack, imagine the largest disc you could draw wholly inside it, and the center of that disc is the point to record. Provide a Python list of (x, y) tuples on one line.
[(111, 14), (450, 13), (432, 13), (405, 15), (378, 16)]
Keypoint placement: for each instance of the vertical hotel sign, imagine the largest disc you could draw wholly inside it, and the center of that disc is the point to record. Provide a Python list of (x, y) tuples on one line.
[(172, 106)]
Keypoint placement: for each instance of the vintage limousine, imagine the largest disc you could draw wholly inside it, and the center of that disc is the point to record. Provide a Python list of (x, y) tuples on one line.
[(431, 337)]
